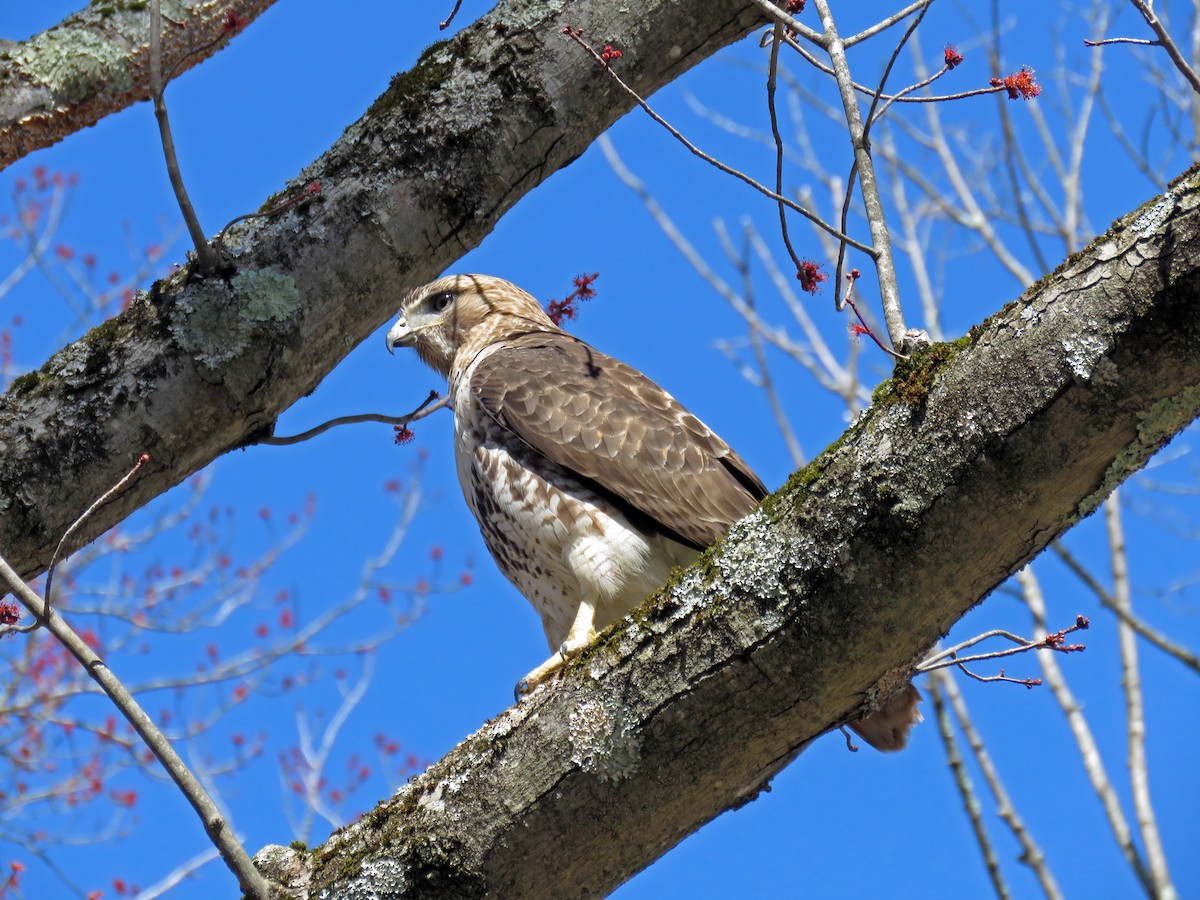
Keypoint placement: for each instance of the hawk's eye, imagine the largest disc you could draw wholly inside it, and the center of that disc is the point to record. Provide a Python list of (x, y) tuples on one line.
[(441, 301)]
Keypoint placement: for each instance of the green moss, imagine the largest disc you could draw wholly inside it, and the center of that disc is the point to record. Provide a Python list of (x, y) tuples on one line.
[(914, 376), (409, 91), (24, 384), (108, 7)]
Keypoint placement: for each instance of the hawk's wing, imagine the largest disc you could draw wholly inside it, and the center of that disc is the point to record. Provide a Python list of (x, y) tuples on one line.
[(610, 424)]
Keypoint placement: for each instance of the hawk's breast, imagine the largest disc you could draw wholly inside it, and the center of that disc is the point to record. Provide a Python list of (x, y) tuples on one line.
[(554, 536)]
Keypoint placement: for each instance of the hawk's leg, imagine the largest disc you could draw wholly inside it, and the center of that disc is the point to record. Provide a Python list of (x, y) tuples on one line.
[(577, 638)]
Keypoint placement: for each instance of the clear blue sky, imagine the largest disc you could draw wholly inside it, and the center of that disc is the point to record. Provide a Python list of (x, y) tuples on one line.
[(835, 824)]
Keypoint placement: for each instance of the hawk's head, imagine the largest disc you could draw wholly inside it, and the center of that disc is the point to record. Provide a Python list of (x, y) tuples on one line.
[(463, 310)]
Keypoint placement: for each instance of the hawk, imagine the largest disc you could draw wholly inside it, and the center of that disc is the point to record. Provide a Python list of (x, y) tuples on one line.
[(589, 481)]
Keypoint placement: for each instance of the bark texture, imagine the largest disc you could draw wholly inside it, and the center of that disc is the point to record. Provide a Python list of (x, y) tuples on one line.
[(970, 461), (202, 365), (97, 62)]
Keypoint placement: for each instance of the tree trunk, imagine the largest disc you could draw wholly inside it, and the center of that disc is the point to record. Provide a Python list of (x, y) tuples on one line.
[(969, 463), (205, 364)]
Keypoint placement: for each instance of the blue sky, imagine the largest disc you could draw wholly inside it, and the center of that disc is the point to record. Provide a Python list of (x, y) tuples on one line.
[(835, 824)]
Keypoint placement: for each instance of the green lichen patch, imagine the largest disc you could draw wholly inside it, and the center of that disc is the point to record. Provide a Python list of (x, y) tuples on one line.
[(74, 63), (205, 323), (265, 295)]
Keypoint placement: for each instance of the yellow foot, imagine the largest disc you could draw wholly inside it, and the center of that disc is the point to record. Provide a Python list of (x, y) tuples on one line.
[(549, 669)]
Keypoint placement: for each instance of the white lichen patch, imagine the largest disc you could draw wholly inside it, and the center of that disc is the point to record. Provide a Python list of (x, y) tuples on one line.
[(1154, 216), (1082, 353), (265, 295), (604, 739), (755, 554)]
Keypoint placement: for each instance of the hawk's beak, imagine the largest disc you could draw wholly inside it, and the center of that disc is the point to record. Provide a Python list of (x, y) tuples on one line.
[(400, 336)]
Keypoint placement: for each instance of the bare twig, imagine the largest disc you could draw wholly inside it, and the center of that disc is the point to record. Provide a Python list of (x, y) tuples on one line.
[(713, 161), (443, 25), (889, 290), (310, 189), (772, 79), (1185, 656), (1139, 776), (1093, 763), (848, 300), (966, 789), (206, 256), (1057, 641), (99, 502), (1164, 38), (883, 25), (1031, 852), (428, 407), (218, 830), (1107, 41), (782, 17)]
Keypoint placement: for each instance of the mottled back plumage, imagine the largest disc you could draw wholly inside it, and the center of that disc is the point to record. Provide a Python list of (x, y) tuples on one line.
[(588, 480)]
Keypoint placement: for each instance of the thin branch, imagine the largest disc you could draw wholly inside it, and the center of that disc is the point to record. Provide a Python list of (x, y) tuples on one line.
[(1185, 656), (868, 186), (1107, 41), (1164, 38), (848, 300), (772, 79), (1031, 852), (218, 830), (793, 24), (713, 161), (962, 780), (891, 20), (99, 502), (206, 256), (428, 407), (444, 24), (1135, 713), (1093, 763), (310, 189)]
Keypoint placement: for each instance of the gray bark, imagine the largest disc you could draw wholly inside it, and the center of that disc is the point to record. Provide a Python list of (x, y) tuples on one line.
[(200, 366), (970, 461), (96, 62)]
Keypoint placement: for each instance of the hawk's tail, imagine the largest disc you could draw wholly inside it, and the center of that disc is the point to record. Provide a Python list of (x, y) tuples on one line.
[(887, 728)]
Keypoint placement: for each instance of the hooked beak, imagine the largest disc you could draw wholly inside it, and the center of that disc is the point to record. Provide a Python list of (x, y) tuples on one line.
[(400, 336)]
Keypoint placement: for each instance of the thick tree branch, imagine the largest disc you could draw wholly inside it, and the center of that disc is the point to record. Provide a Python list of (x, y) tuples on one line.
[(970, 462), (206, 364), (97, 62)]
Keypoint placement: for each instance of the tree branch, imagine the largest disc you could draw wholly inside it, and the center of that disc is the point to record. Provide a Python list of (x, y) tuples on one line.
[(818, 605), (204, 365), (96, 62)]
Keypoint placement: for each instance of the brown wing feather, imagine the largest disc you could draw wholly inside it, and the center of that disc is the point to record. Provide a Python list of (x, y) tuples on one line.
[(610, 424)]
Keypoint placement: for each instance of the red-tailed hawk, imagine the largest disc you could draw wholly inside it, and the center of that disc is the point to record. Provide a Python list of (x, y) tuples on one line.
[(588, 480)]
